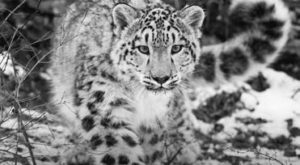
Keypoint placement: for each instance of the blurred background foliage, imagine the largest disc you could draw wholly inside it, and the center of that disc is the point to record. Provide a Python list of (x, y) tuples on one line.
[(26, 28)]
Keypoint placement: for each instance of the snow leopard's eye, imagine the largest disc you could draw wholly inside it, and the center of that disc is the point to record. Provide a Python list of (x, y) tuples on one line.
[(176, 49), (144, 49)]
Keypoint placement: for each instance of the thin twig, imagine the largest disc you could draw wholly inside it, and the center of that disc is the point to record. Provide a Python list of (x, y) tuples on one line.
[(268, 157), (295, 93), (17, 108), (16, 158), (21, 126), (173, 157)]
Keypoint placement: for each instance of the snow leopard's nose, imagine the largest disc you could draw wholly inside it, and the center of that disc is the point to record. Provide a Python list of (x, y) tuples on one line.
[(161, 80)]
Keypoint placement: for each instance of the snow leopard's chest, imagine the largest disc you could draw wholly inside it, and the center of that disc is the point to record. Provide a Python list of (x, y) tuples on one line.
[(152, 109)]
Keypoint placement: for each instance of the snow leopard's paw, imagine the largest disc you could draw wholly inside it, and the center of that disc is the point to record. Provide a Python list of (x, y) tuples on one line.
[(77, 157)]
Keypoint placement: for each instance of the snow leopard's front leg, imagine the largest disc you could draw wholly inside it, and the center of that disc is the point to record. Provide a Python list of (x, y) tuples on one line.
[(109, 137), (113, 139), (102, 103)]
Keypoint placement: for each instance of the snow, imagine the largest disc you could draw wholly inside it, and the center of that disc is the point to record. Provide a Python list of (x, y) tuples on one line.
[(296, 141), (249, 100), (275, 105), (10, 124)]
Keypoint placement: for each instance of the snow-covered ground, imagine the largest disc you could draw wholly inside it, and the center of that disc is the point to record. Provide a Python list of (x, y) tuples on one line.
[(264, 128), (276, 106)]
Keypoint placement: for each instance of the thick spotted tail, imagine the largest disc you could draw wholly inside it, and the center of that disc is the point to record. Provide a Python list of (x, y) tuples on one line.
[(263, 28)]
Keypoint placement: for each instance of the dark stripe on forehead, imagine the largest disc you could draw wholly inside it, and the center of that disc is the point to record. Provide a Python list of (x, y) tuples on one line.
[(168, 37), (173, 37), (164, 37), (176, 29), (147, 37), (182, 38), (133, 44), (169, 28), (145, 28), (153, 35), (137, 38)]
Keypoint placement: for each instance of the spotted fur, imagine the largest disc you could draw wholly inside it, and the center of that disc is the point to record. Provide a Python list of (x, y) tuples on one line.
[(125, 91)]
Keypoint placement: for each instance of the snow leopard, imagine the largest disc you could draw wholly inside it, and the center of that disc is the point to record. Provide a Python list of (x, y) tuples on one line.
[(123, 74)]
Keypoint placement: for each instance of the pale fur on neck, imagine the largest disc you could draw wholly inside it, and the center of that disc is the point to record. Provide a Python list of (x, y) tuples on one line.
[(151, 107)]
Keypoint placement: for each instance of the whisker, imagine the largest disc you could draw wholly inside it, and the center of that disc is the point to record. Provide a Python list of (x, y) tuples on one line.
[(185, 84), (148, 83), (179, 90)]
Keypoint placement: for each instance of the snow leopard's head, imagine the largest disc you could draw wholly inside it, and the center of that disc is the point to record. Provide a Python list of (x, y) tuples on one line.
[(158, 45)]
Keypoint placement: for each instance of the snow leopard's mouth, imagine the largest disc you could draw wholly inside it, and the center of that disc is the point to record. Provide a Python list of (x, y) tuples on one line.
[(159, 89)]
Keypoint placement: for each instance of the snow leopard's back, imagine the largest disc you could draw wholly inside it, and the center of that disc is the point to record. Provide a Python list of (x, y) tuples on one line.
[(80, 31)]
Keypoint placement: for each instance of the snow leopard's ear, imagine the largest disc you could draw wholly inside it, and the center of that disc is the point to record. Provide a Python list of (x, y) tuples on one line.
[(124, 15), (193, 16)]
